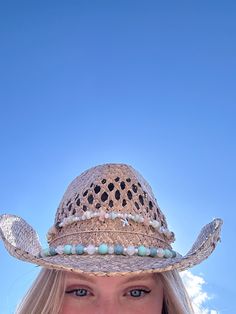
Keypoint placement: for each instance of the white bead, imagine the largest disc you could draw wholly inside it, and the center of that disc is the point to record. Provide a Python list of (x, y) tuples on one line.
[(162, 229), (141, 219), (110, 249), (106, 215), (130, 216), (73, 250), (88, 215), (130, 250), (160, 252), (71, 219), (60, 249), (91, 249), (167, 233), (147, 251), (155, 224)]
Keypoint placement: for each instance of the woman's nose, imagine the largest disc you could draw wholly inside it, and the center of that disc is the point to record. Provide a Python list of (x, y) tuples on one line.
[(108, 306)]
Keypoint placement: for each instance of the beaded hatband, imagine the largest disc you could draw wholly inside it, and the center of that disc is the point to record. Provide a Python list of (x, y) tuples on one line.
[(104, 249), (102, 215)]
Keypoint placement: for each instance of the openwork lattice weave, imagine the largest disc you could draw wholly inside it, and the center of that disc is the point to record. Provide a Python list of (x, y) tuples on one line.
[(114, 191)]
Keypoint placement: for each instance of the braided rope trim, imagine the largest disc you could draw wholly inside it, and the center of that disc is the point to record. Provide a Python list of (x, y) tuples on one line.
[(107, 231)]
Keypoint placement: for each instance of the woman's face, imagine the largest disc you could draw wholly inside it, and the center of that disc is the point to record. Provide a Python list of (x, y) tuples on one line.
[(130, 294)]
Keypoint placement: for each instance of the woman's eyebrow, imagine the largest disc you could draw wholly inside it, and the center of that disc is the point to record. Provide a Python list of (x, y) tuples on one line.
[(82, 277), (138, 278)]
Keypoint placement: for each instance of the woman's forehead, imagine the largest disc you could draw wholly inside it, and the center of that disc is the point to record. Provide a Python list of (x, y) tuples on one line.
[(120, 279)]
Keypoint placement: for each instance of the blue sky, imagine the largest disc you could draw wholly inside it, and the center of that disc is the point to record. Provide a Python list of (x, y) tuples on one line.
[(148, 83)]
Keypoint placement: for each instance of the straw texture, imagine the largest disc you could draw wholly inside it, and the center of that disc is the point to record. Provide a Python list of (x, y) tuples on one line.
[(106, 189)]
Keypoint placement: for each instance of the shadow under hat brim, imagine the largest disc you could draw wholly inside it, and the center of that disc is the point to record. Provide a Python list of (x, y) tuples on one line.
[(22, 242)]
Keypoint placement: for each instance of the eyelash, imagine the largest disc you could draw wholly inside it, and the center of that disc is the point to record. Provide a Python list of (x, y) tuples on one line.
[(75, 290), (143, 292)]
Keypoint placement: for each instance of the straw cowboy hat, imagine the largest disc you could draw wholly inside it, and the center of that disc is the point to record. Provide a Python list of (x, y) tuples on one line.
[(107, 223)]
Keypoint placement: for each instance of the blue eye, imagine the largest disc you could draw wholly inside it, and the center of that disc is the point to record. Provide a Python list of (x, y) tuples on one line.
[(79, 292), (137, 293)]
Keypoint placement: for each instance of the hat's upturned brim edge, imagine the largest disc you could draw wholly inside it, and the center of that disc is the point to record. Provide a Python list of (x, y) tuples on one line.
[(22, 242)]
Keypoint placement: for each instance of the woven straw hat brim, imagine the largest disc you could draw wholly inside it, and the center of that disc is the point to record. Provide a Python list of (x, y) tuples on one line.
[(22, 242)]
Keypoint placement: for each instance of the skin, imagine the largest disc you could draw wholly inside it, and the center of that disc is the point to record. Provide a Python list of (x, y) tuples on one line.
[(139, 294)]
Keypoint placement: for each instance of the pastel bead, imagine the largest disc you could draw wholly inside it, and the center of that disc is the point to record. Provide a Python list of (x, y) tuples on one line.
[(52, 251), (79, 249), (167, 253), (103, 249), (173, 253), (136, 218), (118, 249), (141, 250), (160, 253), (60, 249), (45, 252), (88, 214), (130, 250), (113, 215), (73, 249), (67, 249), (111, 249), (162, 229), (155, 224), (153, 251), (91, 249), (70, 219)]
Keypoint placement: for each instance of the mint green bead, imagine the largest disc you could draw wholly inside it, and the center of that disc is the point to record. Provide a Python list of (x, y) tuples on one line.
[(67, 249), (46, 252), (52, 251), (173, 253), (113, 215), (142, 250), (167, 253), (103, 249), (153, 251), (79, 249)]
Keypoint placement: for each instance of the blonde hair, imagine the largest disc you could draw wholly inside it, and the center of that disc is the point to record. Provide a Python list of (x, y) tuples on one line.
[(46, 294)]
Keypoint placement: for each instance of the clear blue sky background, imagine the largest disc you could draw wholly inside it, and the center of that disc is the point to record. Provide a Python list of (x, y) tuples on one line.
[(149, 83)]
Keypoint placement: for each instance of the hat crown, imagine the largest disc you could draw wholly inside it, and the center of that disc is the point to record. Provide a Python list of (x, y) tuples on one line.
[(110, 203), (110, 212), (110, 188)]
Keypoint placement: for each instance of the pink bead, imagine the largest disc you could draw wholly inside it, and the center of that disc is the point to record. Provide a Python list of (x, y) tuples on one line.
[(102, 216)]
